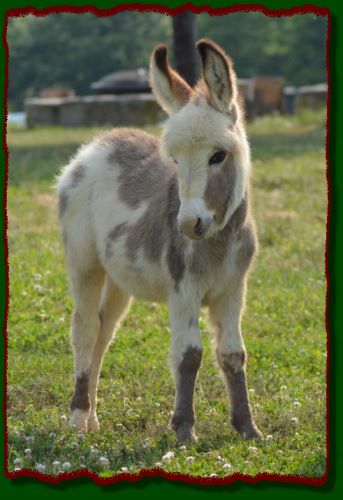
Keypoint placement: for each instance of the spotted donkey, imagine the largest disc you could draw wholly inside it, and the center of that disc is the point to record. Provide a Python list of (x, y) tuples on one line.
[(168, 222)]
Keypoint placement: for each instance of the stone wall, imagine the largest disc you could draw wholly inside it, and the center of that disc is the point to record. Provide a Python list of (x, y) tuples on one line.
[(260, 95), (115, 110)]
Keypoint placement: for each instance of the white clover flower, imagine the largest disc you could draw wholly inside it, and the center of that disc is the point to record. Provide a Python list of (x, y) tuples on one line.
[(227, 466), (56, 464), (213, 475), (124, 469), (220, 459), (283, 388), (183, 448), (139, 398), (17, 461), (104, 462), (294, 421), (66, 466), (246, 462), (27, 452), (253, 449), (82, 466), (52, 435), (168, 456), (297, 404), (94, 451), (158, 464), (269, 436), (16, 469), (40, 467), (190, 459)]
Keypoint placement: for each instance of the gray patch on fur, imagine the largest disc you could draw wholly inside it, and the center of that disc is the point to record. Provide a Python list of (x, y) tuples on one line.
[(175, 255), (62, 203), (80, 399), (183, 418), (141, 167), (156, 229), (78, 173), (148, 233), (247, 248), (235, 379), (210, 253), (113, 235), (145, 177), (220, 188)]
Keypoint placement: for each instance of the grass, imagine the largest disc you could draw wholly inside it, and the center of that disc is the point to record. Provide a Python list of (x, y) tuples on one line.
[(284, 326)]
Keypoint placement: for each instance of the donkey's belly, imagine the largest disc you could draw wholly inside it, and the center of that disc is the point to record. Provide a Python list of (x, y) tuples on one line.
[(139, 277)]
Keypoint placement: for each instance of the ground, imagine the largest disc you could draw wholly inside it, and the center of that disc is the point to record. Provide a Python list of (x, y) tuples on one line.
[(283, 325)]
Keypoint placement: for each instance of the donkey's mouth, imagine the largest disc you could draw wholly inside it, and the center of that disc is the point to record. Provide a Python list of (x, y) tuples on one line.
[(196, 229)]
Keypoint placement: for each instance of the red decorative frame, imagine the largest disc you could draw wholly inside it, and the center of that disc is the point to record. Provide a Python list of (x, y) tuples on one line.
[(186, 478)]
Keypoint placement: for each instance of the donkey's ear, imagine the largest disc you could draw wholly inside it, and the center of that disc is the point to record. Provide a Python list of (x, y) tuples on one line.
[(218, 74), (170, 90)]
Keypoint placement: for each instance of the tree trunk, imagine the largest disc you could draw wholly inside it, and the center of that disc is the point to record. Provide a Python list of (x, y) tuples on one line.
[(184, 46)]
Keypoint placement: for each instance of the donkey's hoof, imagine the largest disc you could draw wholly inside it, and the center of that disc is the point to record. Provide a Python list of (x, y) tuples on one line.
[(186, 432), (251, 432), (79, 420), (93, 423)]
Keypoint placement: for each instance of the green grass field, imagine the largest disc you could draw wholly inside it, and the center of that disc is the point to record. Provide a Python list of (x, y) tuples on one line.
[(284, 328)]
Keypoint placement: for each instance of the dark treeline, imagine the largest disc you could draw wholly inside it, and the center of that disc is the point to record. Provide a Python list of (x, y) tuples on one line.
[(73, 50)]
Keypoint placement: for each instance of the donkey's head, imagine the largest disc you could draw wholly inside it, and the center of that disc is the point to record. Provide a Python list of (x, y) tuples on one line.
[(205, 138)]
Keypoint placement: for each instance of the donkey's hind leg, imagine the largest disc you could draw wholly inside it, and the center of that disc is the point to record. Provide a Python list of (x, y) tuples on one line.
[(114, 303), (86, 288)]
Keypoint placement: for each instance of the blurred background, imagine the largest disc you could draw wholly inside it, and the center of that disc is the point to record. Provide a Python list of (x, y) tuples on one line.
[(79, 69)]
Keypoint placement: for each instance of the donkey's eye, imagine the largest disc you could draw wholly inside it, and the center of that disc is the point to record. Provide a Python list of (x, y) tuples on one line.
[(217, 157)]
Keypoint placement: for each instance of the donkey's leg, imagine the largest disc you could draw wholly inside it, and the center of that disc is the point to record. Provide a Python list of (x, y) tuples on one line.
[(86, 288), (225, 314), (114, 303), (185, 358)]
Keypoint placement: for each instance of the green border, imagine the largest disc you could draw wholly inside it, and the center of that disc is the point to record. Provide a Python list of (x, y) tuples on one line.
[(157, 487)]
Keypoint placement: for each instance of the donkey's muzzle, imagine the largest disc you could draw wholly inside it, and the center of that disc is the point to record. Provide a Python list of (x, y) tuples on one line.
[(195, 228)]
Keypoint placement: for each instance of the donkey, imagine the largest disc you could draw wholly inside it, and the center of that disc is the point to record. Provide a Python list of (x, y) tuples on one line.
[(165, 221)]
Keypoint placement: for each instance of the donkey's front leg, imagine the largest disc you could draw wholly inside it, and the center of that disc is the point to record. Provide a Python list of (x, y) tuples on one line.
[(185, 358), (226, 314)]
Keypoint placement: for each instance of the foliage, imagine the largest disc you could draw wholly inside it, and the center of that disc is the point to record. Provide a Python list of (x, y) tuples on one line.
[(292, 47), (74, 50), (284, 328)]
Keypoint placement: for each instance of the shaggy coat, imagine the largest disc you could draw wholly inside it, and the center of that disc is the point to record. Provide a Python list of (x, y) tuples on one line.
[(167, 221)]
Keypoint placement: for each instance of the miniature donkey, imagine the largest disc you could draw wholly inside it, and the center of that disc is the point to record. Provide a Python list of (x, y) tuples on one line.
[(164, 221)]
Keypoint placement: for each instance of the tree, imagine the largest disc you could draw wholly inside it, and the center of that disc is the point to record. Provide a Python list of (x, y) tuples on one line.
[(184, 46)]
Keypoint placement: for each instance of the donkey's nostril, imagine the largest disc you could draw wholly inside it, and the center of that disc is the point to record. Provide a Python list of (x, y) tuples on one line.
[(198, 230)]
